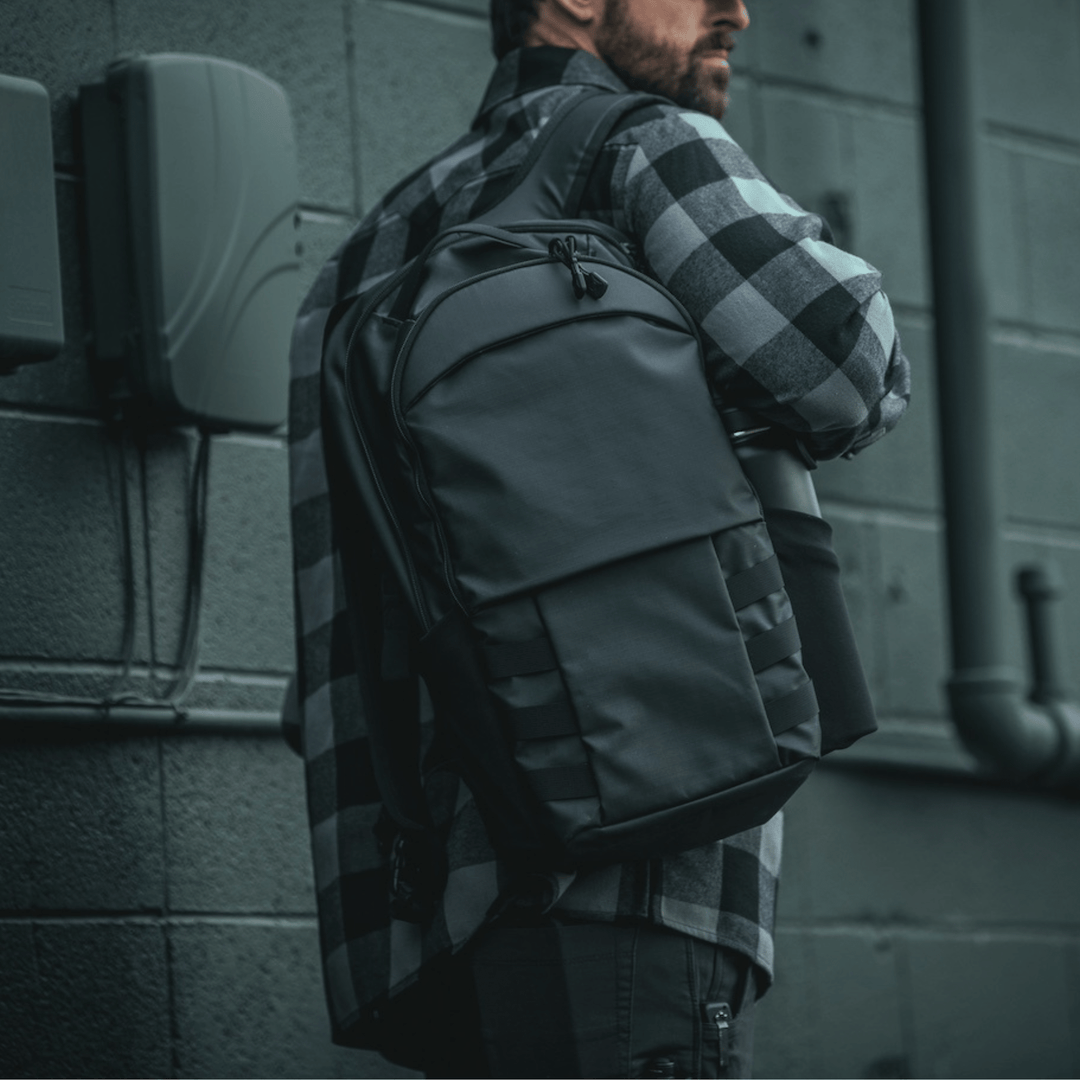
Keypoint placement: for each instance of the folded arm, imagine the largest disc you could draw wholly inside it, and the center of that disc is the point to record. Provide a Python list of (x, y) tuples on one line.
[(796, 329)]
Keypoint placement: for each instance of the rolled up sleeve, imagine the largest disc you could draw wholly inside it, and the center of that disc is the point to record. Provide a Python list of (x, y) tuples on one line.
[(795, 329)]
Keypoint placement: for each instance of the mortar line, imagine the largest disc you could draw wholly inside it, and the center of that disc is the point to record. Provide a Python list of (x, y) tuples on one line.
[(210, 675), (929, 520), (273, 440), (48, 414), (1072, 966), (905, 988), (924, 929), (1041, 532), (1018, 221), (1030, 335), (324, 214), (170, 997), (179, 917), (454, 13), (352, 90), (170, 966), (1032, 933), (855, 102), (882, 667), (1059, 148)]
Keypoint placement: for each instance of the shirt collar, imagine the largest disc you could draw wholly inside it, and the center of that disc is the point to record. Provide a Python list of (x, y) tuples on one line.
[(533, 68)]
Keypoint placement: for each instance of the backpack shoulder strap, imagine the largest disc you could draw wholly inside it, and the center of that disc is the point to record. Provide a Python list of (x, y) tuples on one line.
[(550, 181)]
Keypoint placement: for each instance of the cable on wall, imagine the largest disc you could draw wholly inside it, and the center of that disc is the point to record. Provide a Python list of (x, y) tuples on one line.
[(119, 698)]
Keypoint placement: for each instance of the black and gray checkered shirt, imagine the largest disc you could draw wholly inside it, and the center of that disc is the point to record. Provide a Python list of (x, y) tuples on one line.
[(801, 334)]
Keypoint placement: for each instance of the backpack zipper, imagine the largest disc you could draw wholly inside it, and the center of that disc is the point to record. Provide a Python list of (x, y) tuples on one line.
[(419, 604), (597, 228), (418, 484)]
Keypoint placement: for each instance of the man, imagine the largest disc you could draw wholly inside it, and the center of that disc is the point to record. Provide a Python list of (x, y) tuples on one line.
[(609, 972)]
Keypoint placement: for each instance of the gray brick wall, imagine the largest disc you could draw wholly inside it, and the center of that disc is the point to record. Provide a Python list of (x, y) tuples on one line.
[(156, 909), (156, 901), (925, 922), (926, 929)]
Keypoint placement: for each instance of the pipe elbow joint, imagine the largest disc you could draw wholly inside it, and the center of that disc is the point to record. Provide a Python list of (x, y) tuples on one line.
[(1065, 773), (1014, 738)]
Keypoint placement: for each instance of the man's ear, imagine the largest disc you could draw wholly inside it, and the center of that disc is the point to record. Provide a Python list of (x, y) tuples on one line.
[(570, 24), (583, 12)]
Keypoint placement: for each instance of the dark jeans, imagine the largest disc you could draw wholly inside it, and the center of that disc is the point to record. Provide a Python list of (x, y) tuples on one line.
[(588, 1000)]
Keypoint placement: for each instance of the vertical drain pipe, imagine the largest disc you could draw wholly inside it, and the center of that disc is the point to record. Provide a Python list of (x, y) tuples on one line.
[(1021, 740)]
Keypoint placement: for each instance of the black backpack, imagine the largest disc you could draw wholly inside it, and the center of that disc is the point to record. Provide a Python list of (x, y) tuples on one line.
[(541, 513)]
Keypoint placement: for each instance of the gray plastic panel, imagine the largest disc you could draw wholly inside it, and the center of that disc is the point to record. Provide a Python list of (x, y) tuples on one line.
[(31, 309), (214, 193)]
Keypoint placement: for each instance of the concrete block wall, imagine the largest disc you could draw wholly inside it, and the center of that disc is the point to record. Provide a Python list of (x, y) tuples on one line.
[(924, 923), (156, 908), (926, 929)]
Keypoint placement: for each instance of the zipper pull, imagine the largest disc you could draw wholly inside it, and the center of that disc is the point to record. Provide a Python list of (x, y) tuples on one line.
[(595, 285), (718, 1013), (566, 252), (584, 281)]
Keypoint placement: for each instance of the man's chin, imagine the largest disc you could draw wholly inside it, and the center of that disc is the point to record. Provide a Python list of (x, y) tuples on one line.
[(711, 100), (697, 90)]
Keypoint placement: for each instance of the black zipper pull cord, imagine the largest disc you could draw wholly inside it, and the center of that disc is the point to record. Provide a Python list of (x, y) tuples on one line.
[(566, 252), (595, 285), (584, 281)]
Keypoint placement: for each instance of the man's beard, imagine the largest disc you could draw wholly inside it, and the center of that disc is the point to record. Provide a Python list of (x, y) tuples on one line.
[(655, 68)]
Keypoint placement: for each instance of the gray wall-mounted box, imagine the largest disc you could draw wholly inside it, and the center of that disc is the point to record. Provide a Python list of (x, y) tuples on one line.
[(191, 211), (31, 309)]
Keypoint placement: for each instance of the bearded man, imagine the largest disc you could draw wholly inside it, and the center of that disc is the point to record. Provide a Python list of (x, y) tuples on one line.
[(637, 969)]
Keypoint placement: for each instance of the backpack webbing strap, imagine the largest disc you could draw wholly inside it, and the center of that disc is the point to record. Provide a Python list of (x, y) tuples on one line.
[(562, 782), (755, 583), (774, 645), (542, 721), (792, 709), (506, 658)]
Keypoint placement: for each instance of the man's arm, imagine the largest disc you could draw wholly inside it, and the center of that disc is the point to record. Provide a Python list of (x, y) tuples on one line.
[(796, 330)]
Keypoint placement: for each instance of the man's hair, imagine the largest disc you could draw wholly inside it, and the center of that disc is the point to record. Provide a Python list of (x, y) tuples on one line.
[(510, 22)]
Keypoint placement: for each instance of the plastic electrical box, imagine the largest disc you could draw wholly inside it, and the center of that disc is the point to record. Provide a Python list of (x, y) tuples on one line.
[(31, 308), (191, 215)]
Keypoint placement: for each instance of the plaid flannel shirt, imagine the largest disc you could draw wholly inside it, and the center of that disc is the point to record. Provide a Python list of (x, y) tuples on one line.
[(795, 329)]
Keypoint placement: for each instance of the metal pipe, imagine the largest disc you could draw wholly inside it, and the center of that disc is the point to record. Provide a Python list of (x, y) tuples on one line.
[(1039, 586), (1021, 740), (151, 719), (960, 320)]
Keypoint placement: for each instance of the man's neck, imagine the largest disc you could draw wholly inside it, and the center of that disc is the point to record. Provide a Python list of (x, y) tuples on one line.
[(555, 26)]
